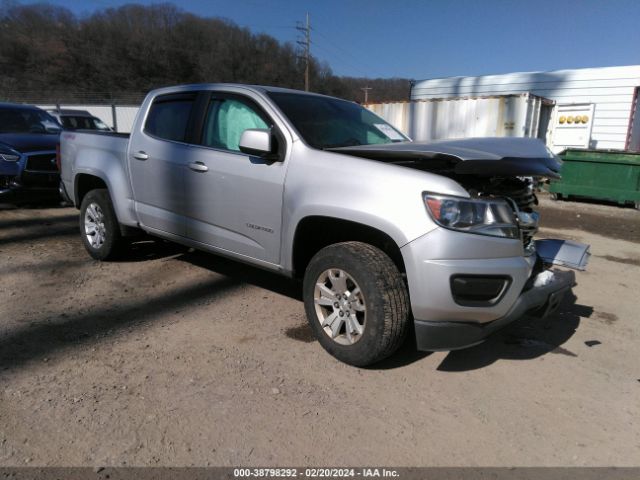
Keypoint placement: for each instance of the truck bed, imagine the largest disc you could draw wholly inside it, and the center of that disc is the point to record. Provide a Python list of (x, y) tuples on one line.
[(85, 150)]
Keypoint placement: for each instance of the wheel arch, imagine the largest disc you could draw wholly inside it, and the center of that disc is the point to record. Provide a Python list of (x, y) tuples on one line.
[(315, 232), (84, 183)]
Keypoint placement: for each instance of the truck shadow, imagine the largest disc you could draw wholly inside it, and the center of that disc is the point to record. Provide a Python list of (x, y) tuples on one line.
[(525, 339), (405, 355), (31, 200), (70, 220), (46, 336), (149, 248), (29, 230), (245, 273), (302, 332)]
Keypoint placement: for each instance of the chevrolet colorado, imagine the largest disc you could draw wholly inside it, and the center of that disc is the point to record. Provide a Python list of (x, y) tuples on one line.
[(385, 234)]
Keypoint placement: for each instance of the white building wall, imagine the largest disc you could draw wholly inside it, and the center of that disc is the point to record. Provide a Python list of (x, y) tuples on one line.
[(610, 89)]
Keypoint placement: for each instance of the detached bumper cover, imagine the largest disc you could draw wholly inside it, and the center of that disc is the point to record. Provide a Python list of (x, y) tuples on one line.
[(445, 335), (565, 253)]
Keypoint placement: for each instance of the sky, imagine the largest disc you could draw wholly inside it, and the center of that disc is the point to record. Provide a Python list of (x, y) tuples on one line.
[(437, 38)]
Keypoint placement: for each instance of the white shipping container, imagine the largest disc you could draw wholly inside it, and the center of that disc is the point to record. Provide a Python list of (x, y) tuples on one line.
[(522, 115)]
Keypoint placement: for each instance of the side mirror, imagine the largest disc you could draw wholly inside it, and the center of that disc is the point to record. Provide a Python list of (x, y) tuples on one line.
[(256, 141)]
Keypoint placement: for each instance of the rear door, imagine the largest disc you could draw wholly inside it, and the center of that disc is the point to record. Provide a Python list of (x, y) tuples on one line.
[(234, 200), (157, 159)]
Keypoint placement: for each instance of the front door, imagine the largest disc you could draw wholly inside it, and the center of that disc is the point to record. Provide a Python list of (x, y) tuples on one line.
[(233, 200)]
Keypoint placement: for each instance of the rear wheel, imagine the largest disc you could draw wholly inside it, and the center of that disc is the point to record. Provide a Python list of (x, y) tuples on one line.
[(99, 226), (356, 302)]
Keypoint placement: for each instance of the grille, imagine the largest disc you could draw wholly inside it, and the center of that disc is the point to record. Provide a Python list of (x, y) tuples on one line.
[(42, 162), (527, 233)]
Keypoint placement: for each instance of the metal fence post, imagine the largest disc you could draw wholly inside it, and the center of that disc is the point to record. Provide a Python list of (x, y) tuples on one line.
[(114, 116)]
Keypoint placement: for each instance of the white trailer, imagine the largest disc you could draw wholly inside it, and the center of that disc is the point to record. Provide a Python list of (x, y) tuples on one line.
[(520, 115), (604, 98)]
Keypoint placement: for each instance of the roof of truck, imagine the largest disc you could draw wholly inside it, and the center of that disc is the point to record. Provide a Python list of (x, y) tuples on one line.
[(255, 88)]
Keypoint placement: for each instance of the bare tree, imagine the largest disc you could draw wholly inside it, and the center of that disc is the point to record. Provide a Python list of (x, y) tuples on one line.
[(47, 50)]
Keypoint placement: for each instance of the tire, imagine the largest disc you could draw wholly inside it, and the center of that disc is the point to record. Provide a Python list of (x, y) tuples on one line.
[(375, 297), (97, 215)]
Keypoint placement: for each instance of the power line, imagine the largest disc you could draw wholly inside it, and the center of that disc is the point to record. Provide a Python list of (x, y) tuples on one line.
[(346, 53), (265, 27), (337, 58)]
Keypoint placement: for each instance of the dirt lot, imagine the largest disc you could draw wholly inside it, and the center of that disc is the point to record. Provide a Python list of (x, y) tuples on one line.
[(178, 358)]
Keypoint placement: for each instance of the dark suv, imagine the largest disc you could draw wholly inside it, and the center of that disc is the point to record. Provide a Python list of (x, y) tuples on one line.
[(29, 137)]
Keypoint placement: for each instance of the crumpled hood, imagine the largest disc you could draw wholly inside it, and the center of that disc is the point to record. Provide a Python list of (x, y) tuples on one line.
[(30, 142), (474, 156)]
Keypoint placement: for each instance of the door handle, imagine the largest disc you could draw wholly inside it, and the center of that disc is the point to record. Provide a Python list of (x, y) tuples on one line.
[(140, 156), (198, 167)]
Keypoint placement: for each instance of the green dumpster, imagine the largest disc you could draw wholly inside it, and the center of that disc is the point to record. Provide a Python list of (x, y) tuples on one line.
[(598, 174)]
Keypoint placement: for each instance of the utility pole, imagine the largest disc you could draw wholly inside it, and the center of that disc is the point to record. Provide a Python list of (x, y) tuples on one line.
[(366, 93), (306, 45)]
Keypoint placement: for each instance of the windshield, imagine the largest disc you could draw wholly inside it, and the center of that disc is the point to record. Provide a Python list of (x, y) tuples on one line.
[(326, 122), (26, 120)]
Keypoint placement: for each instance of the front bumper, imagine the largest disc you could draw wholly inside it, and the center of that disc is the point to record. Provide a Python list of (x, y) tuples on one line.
[(11, 186), (34, 171), (442, 322), (451, 335)]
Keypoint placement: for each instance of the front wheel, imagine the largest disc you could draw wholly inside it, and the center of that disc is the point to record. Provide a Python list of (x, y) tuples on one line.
[(99, 225), (356, 302)]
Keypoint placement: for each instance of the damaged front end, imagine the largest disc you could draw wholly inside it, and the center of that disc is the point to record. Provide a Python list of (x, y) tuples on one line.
[(547, 286), (507, 168), (495, 168)]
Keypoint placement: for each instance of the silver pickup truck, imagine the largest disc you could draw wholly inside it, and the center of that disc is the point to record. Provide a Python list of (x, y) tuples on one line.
[(386, 234)]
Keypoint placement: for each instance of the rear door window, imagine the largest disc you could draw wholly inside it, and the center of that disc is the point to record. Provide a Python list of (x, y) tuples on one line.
[(169, 117)]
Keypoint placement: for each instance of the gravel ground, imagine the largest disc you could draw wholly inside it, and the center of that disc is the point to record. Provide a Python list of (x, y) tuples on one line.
[(171, 357)]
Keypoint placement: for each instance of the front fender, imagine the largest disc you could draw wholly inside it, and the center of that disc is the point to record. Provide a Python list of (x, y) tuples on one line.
[(382, 196)]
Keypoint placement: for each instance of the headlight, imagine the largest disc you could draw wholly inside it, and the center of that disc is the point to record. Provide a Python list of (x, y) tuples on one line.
[(9, 155), (483, 216)]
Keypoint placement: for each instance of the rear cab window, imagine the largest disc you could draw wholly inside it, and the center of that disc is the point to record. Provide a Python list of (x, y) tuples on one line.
[(169, 115)]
